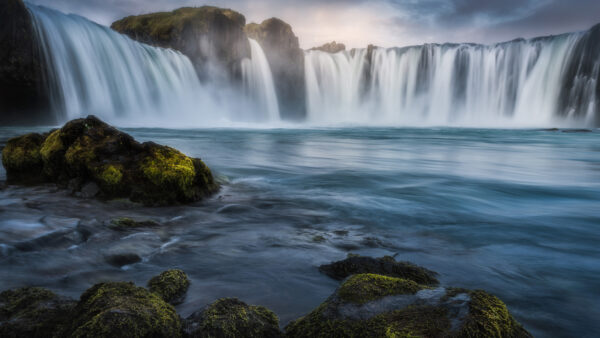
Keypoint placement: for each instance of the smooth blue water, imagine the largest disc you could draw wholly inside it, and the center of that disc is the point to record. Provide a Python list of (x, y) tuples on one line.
[(515, 212)]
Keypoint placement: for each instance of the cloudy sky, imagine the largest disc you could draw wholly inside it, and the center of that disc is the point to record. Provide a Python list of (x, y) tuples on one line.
[(381, 22)]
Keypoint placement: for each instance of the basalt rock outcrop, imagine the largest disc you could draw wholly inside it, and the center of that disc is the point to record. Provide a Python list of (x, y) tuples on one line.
[(213, 38), (23, 94), (370, 305), (88, 155), (331, 47), (286, 60)]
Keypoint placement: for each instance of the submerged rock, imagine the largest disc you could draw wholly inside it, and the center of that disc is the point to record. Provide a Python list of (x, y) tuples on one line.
[(170, 285), (123, 310), (108, 163), (124, 223), (23, 94), (209, 36), (232, 318), (331, 47), (33, 312), (368, 305), (387, 266)]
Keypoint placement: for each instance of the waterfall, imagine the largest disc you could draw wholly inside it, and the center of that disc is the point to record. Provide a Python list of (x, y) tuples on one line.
[(535, 82), (94, 70), (258, 82)]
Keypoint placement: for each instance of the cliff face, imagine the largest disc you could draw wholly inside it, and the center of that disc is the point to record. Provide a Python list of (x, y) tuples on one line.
[(286, 60), (23, 95), (213, 38)]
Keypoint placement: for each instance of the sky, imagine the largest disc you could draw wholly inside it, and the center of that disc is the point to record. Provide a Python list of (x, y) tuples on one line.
[(385, 23)]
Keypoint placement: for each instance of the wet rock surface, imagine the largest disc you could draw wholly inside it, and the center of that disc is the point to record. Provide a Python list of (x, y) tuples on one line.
[(94, 159), (386, 266), (368, 305), (231, 318)]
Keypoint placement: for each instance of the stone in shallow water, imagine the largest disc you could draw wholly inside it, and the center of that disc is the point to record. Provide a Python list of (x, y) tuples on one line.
[(170, 285), (111, 163), (232, 318), (369, 305), (387, 266), (123, 310), (33, 312)]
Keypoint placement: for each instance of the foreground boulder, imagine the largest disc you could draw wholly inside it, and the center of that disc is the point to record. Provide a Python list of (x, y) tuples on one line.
[(386, 266), (369, 305), (33, 312), (23, 94), (91, 157), (170, 285), (123, 310), (209, 36), (286, 60), (232, 318)]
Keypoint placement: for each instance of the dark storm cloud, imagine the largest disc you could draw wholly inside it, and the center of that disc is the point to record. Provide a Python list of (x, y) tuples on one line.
[(384, 22)]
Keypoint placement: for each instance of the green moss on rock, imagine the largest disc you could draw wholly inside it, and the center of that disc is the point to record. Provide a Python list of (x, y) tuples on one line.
[(123, 310), (33, 312), (364, 288), (169, 170), (377, 306), (90, 151), (125, 223), (22, 159), (387, 266), (232, 318), (489, 317), (170, 285)]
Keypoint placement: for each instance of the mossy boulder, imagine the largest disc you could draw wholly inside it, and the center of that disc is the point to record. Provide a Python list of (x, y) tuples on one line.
[(24, 98), (22, 159), (387, 266), (368, 305), (232, 318), (286, 60), (90, 151), (33, 312), (123, 310), (209, 36), (170, 285), (331, 47)]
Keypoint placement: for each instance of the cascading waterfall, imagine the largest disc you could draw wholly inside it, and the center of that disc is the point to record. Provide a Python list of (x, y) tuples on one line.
[(258, 82), (95, 70), (523, 82)]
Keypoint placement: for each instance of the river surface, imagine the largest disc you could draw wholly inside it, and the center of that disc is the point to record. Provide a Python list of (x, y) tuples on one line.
[(514, 212)]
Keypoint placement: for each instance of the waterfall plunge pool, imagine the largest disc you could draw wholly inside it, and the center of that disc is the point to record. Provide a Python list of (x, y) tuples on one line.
[(515, 212)]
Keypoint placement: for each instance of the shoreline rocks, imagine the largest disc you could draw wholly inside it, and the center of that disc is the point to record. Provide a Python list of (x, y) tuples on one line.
[(94, 159), (364, 305)]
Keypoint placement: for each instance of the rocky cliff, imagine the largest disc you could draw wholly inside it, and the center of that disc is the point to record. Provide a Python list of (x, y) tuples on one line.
[(331, 47), (23, 97), (286, 59), (213, 38)]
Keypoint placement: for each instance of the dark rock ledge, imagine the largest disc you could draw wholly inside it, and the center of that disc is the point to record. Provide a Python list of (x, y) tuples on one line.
[(94, 159), (365, 305)]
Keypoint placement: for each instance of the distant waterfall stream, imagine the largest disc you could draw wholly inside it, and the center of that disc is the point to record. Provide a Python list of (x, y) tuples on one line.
[(534, 82)]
